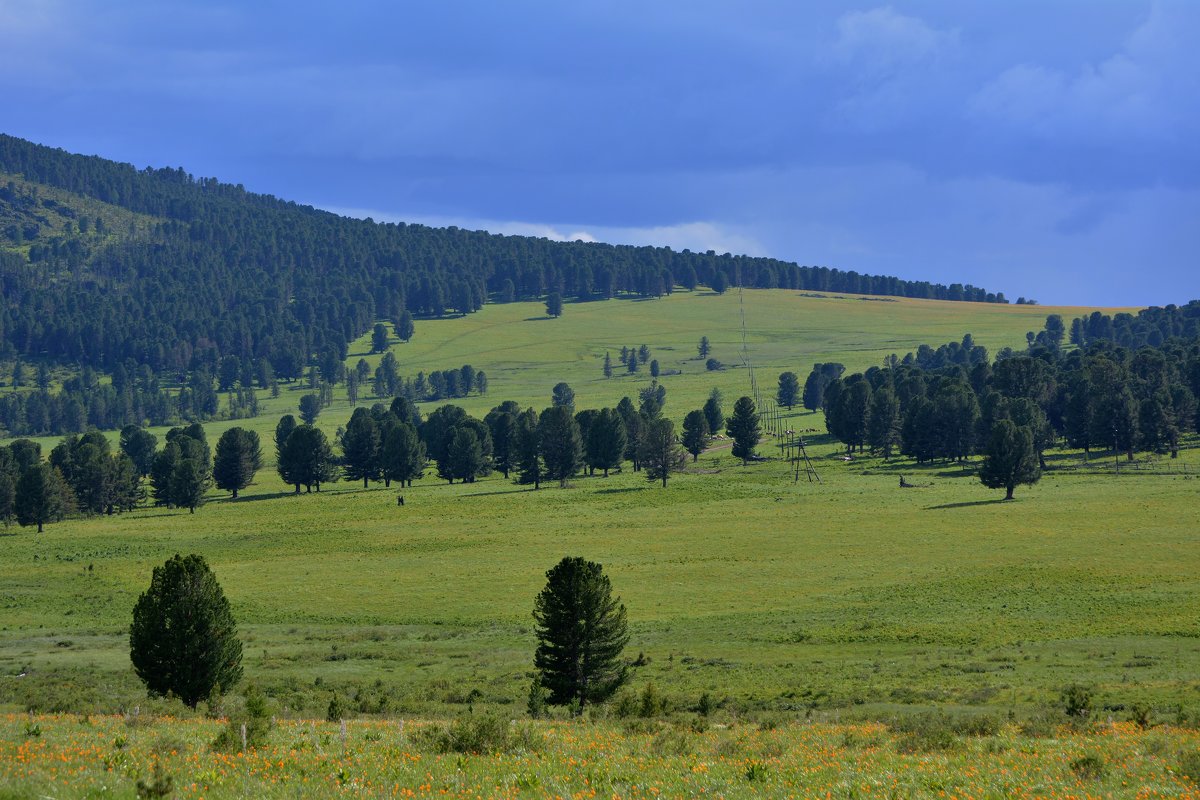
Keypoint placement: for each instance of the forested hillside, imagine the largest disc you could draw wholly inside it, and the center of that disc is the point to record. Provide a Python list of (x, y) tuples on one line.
[(103, 265)]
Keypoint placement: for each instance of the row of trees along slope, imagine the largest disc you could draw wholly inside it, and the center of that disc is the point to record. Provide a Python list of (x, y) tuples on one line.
[(953, 402), (379, 443), (214, 270)]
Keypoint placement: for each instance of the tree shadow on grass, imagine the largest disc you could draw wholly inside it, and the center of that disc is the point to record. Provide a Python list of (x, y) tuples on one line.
[(539, 319), (517, 490), (253, 497), (967, 505), (622, 490)]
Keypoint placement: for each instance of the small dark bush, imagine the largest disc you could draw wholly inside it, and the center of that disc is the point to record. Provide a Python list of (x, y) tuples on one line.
[(1089, 767), (1077, 701), (1189, 766), (480, 734)]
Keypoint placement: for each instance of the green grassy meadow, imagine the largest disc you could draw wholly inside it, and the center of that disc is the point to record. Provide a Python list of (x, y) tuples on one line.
[(833, 602)]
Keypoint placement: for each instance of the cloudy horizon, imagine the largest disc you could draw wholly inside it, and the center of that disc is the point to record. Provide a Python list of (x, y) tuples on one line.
[(1037, 149)]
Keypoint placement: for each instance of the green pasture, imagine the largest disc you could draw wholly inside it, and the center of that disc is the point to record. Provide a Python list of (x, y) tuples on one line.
[(848, 597)]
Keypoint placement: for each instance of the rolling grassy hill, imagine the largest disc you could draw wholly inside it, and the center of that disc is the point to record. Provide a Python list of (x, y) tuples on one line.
[(848, 596)]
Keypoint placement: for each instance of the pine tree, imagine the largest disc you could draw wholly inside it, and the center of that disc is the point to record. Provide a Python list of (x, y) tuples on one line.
[(560, 444), (695, 433), (189, 481), (310, 408), (403, 455), (713, 412), (40, 496), (1010, 458), (361, 448), (606, 441), (183, 639), (563, 395), (529, 449), (238, 458), (464, 456), (581, 632), (883, 432), (743, 427), (704, 347), (379, 338), (789, 390), (405, 327), (660, 451), (554, 305), (307, 459), (139, 443), (608, 370)]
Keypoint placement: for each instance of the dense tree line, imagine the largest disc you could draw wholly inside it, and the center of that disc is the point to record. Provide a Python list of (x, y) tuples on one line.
[(133, 397), (947, 403), (436, 385), (1149, 327), (225, 272), (83, 475)]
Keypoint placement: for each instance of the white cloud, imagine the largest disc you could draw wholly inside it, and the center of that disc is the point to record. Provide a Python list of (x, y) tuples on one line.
[(1142, 91), (695, 236), (882, 40)]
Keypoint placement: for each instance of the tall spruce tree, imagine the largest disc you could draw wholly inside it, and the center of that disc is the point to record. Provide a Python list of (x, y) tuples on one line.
[(696, 435), (581, 632), (529, 449), (788, 393), (560, 443), (713, 413), (361, 448), (744, 429), (606, 441)]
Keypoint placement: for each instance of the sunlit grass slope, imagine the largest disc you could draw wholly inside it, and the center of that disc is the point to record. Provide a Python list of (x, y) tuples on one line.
[(847, 595)]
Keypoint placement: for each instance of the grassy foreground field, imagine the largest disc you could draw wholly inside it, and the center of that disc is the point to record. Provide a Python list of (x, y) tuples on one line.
[(835, 602), (69, 756)]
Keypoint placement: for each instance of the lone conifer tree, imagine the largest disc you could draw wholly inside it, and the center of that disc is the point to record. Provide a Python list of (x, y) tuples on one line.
[(1010, 459), (405, 327), (554, 304), (743, 427), (581, 631), (789, 389), (183, 638), (695, 433)]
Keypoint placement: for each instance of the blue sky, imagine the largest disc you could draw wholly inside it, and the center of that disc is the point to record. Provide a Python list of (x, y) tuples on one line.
[(1047, 149)]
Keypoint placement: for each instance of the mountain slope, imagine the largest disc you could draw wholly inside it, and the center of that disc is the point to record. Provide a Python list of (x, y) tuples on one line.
[(182, 271)]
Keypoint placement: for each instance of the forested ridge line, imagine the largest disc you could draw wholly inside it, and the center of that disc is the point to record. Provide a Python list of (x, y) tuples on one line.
[(225, 271)]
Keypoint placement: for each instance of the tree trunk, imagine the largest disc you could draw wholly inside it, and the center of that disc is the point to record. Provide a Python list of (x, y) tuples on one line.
[(235, 494), (365, 479), (664, 479), (1009, 495), (39, 526)]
